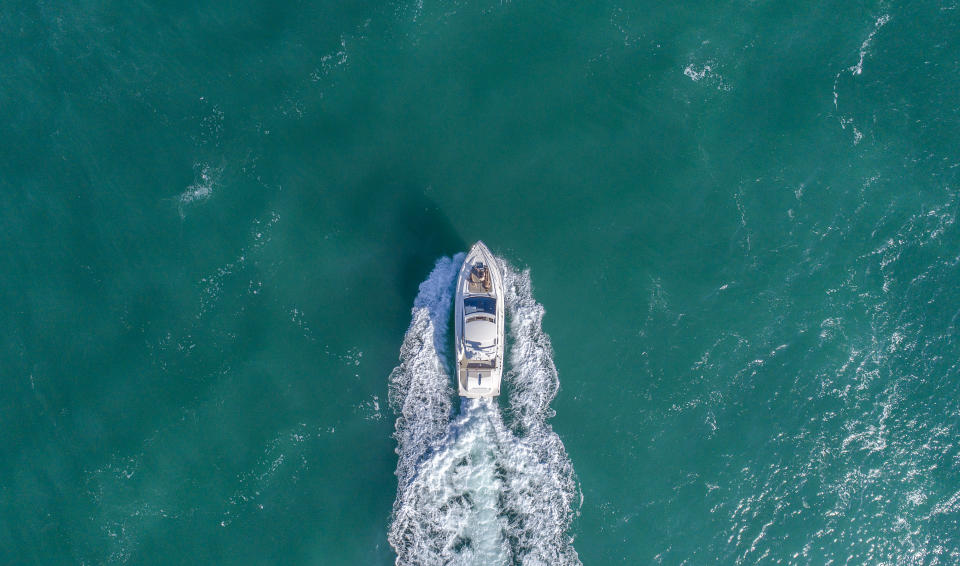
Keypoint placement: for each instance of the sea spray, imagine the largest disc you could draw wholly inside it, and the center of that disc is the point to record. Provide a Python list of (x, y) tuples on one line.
[(473, 489)]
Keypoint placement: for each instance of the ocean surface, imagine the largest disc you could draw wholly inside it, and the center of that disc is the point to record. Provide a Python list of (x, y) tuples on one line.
[(228, 235)]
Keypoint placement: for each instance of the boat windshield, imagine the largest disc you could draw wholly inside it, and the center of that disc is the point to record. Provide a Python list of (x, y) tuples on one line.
[(479, 304)]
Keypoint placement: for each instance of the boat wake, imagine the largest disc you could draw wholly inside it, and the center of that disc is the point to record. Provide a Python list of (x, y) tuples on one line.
[(474, 488)]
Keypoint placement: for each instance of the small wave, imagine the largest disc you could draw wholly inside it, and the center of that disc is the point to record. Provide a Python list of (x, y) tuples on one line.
[(855, 70), (881, 21), (212, 285), (473, 490), (205, 181), (707, 72), (696, 75)]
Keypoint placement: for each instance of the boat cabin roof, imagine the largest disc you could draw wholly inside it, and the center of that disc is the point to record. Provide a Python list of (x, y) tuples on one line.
[(481, 330)]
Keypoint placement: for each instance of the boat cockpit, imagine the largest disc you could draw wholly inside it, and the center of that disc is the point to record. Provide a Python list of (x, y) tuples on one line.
[(480, 279)]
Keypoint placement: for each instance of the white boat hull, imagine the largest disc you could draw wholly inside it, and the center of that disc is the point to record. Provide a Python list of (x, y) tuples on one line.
[(479, 324)]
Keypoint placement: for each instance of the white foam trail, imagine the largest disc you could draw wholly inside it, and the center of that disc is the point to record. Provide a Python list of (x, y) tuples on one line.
[(420, 391), (473, 490), (448, 512), (541, 484)]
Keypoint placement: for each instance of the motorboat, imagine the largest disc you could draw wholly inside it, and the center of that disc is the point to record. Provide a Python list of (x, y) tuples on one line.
[(479, 324)]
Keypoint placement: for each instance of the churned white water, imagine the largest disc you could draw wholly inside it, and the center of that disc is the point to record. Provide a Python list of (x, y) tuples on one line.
[(474, 488)]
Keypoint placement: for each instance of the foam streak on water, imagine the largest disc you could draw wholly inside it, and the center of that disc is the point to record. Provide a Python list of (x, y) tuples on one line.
[(475, 489)]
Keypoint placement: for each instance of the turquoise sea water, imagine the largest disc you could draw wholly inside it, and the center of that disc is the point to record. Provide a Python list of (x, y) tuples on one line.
[(739, 219)]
